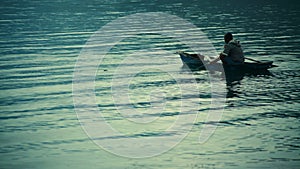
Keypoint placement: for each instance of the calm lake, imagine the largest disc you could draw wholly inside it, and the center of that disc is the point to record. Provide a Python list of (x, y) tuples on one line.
[(140, 89)]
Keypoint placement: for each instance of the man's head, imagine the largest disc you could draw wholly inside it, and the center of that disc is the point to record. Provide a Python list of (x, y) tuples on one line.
[(228, 37)]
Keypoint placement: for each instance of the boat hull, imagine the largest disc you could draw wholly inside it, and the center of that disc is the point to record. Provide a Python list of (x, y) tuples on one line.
[(194, 61)]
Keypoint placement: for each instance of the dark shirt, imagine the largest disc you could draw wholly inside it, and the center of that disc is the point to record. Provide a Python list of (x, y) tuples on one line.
[(234, 51)]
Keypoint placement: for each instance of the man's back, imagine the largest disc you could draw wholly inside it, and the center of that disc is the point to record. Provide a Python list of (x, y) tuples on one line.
[(234, 51)]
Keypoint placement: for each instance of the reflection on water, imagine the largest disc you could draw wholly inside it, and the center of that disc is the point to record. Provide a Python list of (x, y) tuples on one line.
[(40, 42), (234, 79)]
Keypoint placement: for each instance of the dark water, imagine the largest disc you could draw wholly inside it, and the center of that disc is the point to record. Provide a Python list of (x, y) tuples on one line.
[(40, 44)]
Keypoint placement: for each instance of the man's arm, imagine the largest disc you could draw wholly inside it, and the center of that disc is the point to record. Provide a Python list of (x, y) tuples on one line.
[(221, 56)]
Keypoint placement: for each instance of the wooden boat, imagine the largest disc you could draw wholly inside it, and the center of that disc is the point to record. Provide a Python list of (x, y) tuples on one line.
[(197, 62), (192, 60)]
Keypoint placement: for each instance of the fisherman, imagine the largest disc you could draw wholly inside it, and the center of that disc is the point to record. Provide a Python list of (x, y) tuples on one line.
[(233, 53)]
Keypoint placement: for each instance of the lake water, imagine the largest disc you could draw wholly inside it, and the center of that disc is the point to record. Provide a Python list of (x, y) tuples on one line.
[(42, 41)]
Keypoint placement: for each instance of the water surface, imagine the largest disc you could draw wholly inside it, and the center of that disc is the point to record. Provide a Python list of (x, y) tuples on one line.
[(41, 41)]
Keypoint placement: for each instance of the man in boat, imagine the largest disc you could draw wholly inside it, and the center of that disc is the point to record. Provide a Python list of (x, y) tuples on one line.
[(232, 53)]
